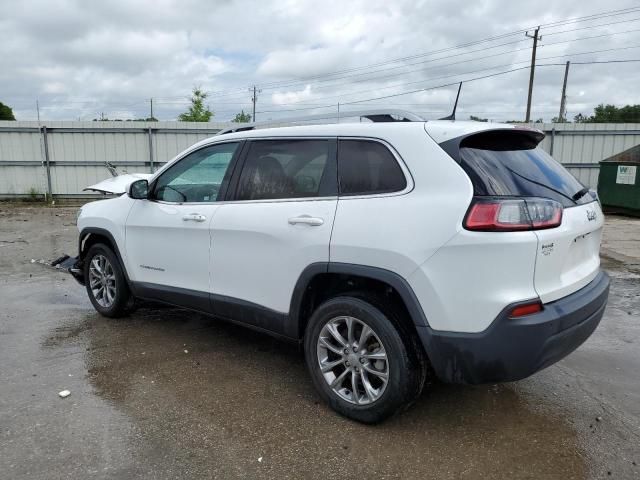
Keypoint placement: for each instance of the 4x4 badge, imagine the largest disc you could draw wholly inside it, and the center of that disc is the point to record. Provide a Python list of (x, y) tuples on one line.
[(591, 215)]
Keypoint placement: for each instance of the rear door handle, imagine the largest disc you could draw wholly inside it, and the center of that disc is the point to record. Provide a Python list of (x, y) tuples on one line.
[(306, 220), (194, 217)]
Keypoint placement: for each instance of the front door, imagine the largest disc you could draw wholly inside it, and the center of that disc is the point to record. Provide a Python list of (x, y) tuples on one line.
[(167, 236)]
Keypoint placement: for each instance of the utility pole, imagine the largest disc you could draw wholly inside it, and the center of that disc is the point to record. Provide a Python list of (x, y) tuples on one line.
[(38, 110), (254, 100), (563, 98), (151, 105), (535, 37)]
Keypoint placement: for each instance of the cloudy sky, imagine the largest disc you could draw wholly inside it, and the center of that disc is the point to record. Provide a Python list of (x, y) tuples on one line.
[(82, 58)]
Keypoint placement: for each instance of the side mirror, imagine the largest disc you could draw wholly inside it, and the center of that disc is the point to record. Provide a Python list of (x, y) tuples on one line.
[(139, 190)]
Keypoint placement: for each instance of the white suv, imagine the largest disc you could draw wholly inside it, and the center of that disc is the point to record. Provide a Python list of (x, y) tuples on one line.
[(392, 250)]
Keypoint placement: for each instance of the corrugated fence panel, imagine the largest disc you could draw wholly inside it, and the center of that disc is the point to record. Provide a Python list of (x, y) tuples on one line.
[(581, 146), (78, 151), (21, 170)]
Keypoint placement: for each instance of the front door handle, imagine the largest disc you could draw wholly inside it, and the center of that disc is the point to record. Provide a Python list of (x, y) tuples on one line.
[(306, 220), (194, 217)]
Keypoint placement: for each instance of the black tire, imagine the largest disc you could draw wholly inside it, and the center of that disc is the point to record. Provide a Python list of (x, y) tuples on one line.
[(123, 301), (406, 366)]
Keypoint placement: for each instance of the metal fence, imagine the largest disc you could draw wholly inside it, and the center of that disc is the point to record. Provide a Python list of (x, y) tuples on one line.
[(61, 158), (581, 146)]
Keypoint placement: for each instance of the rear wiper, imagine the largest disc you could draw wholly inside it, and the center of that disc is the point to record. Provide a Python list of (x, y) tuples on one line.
[(580, 193), (540, 184)]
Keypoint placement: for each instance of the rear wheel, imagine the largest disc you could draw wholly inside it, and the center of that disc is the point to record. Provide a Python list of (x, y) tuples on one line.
[(105, 282), (359, 362)]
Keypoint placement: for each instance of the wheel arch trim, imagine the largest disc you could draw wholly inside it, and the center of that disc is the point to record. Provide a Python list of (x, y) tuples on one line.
[(86, 232), (392, 279)]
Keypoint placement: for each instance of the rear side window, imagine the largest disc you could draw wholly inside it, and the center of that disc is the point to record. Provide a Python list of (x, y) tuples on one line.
[(503, 163), (277, 169), (366, 167)]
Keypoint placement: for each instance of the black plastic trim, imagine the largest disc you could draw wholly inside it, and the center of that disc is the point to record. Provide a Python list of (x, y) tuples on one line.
[(104, 233), (515, 348), (403, 288), (248, 313), (452, 146), (292, 326), (241, 312), (393, 279), (283, 324), (180, 297)]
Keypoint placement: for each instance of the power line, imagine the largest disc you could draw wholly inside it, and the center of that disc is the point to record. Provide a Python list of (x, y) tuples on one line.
[(588, 27), (464, 61), (295, 83), (462, 73), (476, 42), (450, 84), (591, 17)]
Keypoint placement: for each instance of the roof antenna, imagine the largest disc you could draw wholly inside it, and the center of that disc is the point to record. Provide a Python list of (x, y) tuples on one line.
[(455, 106)]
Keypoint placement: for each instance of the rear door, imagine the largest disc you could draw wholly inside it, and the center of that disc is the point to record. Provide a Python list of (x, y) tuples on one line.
[(277, 222), (508, 163)]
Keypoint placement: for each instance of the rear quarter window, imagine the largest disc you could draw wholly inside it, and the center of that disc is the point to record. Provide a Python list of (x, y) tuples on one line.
[(368, 167)]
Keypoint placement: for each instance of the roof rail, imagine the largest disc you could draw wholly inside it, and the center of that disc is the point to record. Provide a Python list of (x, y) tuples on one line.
[(380, 115)]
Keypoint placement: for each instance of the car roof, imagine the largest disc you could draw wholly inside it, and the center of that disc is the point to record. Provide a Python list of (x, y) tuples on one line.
[(439, 130)]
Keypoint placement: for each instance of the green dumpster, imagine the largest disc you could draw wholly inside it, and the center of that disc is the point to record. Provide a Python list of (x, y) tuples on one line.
[(619, 182)]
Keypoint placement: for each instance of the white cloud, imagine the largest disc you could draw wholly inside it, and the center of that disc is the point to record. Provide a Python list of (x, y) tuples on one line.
[(291, 97), (80, 58)]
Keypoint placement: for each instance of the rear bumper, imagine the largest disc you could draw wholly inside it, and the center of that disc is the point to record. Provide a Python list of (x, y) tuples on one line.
[(512, 349)]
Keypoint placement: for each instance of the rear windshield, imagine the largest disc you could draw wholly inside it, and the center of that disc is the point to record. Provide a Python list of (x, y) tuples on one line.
[(502, 163)]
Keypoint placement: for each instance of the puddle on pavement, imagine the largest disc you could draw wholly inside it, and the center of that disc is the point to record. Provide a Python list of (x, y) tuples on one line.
[(235, 396)]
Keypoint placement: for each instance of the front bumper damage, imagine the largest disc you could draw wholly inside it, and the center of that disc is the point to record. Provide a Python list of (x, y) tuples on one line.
[(72, 265)]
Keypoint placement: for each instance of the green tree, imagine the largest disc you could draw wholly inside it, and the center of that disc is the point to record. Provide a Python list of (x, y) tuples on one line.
[(580, 118), (611, 114), (197, 112), (6, 113), (478, 119), (242, 117)]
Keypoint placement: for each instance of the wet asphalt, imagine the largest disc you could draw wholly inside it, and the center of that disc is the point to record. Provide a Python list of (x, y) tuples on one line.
[(167, 393)]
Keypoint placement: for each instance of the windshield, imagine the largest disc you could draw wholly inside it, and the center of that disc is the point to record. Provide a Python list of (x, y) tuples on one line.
[(510, 164)]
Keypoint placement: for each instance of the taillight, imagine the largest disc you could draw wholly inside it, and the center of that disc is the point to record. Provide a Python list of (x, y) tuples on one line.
[(492, 214)]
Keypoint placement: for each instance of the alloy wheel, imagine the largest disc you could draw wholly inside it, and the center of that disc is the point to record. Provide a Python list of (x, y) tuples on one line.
[(102, 281), (353, 360)]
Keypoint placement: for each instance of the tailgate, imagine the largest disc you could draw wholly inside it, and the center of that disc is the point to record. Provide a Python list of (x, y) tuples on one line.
[(568, 256)]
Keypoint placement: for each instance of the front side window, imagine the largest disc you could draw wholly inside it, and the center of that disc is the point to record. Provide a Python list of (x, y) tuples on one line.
[(368, 167), (198, 177), (276, 169)]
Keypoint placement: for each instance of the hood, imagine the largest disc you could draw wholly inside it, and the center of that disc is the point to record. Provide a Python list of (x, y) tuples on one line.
[(118, 185)]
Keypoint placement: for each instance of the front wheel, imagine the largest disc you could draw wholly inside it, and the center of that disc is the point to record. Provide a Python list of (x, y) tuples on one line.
[(105, 282), (359, 362)]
